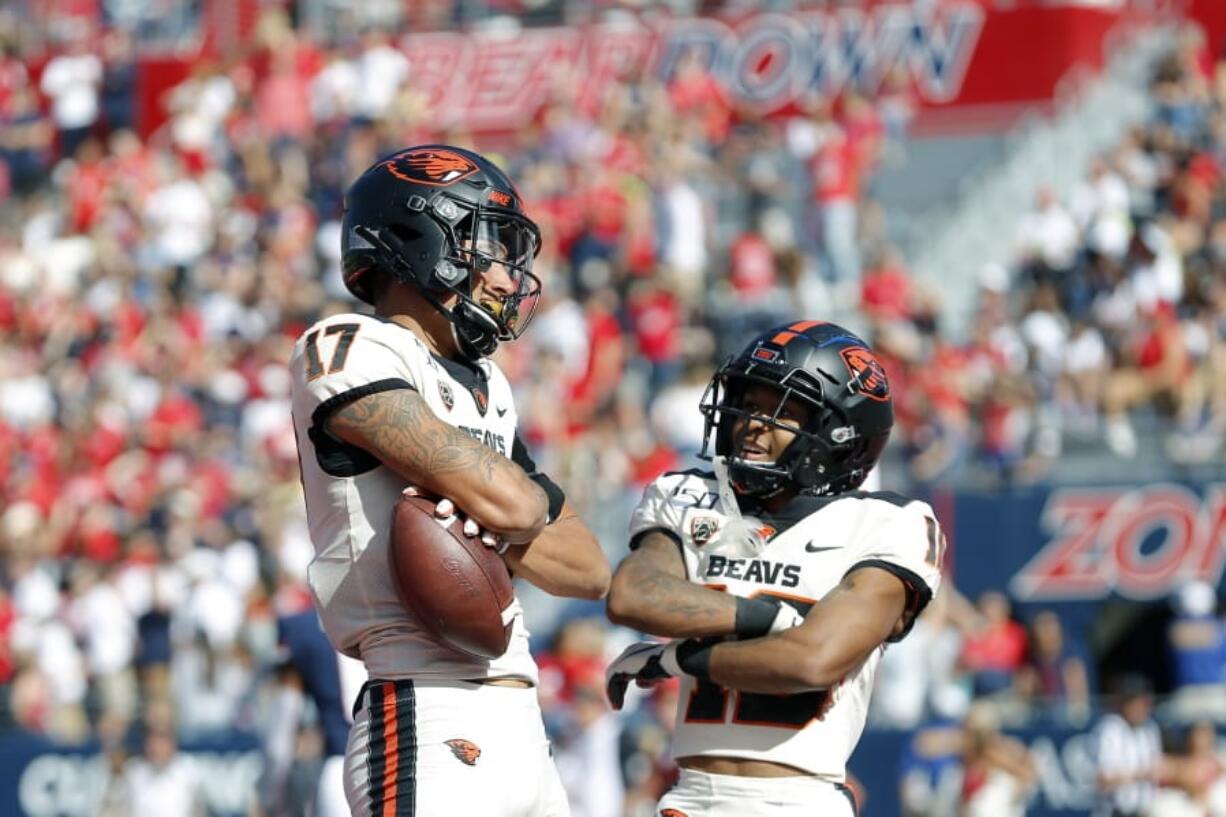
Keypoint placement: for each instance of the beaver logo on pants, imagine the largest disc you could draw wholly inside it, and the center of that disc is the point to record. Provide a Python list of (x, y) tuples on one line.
[(465, 750)]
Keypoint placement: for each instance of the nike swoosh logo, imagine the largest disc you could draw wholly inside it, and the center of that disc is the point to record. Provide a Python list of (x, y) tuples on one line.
[(812, 548), (501, 411)]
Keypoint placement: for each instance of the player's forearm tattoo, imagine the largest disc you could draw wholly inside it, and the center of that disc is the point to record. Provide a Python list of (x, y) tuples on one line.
[(674, 596), (401, 422), (669, 597)]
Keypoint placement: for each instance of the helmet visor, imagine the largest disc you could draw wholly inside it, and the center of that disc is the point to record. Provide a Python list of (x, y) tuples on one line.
[(506, 245)]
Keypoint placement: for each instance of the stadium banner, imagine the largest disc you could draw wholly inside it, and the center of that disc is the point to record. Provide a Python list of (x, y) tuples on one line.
[(45, 779), (969, 65), (888, 762), (1067, 546), (952, 54)]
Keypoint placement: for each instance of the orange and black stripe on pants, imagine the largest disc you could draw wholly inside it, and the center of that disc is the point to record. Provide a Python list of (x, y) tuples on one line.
[(392, 757)]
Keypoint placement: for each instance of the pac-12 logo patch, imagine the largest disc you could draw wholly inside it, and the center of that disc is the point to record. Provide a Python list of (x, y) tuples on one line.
[(465, 750), (444, 393), (436, 167), (703, 529), (867, 373)]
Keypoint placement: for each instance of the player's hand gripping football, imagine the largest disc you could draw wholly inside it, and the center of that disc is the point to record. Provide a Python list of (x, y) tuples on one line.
[(645, 663), (445, 510)]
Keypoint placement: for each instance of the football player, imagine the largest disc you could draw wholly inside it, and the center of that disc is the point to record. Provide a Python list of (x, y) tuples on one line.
[(779, 582), (436, 240)]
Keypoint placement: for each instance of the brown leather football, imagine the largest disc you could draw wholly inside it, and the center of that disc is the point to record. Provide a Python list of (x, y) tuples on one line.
[(453, 584)]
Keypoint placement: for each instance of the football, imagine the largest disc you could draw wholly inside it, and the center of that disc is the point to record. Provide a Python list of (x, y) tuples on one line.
[(455, 586)]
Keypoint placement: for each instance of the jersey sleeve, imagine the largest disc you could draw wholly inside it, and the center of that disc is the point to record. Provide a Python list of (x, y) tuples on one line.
[(656, 512), (666, 507), (910, 545), (344, 358), (335, 362)]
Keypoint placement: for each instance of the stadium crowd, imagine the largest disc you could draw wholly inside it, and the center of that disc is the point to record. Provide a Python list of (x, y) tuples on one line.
[(151, 288)]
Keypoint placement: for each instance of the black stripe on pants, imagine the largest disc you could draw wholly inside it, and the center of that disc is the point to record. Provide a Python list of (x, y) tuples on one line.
[(392, 756)]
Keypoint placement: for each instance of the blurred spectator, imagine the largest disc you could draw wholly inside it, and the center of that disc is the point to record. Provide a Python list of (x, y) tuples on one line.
[(160, 782), (179, 217), (104, 625), (1196, 639), (1047, 240), (1156, 369), (683, 236), (1055, 677), (336, 89), (72, 81), (930, 773), (383, 69), (119, 80), (994, 649), (836, 171), (282, 100), (656, 319), (305, 742), (575, 657), (114, 797), (697, 96), (586, 750), (1084, 372), (198, 109), (918, 676), (999, 774), (1128, 752), (675, 418), (26, 140), (1195, 783), (887, 293), (648, 765), (1100, 207)]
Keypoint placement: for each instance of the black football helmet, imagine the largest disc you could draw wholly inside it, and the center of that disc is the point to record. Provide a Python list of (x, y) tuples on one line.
[(432, 216), (844, 388)]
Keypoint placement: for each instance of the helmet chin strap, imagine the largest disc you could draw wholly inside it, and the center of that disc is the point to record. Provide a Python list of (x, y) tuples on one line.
[(473, 339), (475, 333), (737, 537)]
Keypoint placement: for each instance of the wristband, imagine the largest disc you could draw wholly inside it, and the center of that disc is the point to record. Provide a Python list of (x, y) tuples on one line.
[(754, 617), (694, 658), (553, 493)]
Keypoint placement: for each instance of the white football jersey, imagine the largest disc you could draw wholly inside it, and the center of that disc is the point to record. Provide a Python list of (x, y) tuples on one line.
[(810, 546), (350, 495)]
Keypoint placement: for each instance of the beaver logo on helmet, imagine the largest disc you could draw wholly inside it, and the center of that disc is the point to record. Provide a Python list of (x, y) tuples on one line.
[(430, 166), (867, 373)]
